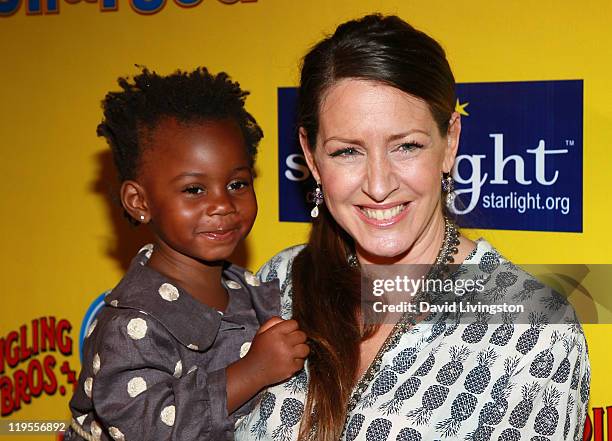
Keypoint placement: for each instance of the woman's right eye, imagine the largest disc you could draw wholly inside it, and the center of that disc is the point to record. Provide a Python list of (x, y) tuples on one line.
[(347, 151)]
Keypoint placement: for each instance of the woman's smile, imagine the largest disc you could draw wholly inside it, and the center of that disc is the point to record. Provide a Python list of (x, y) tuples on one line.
[(384, 215)]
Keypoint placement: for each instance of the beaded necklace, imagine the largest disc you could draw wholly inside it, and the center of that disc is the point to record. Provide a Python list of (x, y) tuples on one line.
[(407, 320)]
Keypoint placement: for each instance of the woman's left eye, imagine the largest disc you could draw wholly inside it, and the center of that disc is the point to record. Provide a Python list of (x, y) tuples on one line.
[(238, 185), (409, 146)]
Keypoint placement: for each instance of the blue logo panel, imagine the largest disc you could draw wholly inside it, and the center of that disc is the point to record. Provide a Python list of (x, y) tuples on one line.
[(294, 177), (520, 158), (519, 165)]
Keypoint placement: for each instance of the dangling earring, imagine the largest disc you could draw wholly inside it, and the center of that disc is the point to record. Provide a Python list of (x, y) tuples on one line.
[(317, 198), (448, 187)]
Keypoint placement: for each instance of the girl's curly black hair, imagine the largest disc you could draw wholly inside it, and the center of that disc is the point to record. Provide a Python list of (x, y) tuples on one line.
[(186, 96)]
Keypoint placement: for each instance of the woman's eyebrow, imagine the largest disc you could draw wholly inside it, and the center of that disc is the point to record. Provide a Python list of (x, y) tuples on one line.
[(342, 139), (407, 133), (391, 138)]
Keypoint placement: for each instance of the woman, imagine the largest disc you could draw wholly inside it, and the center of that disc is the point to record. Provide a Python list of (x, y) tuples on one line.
[(380, 135)]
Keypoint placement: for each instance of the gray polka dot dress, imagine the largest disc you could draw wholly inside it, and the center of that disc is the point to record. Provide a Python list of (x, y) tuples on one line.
[(154, 359), (517, 378)]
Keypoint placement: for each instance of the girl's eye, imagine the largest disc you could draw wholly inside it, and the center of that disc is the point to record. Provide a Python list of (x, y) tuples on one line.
[(194, 189), (347, 151), (238, 185), (409, 146)]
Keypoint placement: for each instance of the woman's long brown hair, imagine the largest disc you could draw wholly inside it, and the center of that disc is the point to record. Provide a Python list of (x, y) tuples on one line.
[(321, 269), (326, 289)]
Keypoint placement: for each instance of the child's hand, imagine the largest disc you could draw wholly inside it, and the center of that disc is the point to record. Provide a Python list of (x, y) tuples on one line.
[(278, 351), (269, 323)]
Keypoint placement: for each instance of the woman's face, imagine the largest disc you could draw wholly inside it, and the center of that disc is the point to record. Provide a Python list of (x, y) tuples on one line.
[(379, 158)]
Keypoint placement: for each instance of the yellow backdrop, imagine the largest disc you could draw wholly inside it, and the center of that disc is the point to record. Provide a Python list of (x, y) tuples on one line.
[(60, 234)]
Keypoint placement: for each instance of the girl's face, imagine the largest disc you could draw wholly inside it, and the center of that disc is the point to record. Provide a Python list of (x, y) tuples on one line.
[(198, 187), (380, 158)]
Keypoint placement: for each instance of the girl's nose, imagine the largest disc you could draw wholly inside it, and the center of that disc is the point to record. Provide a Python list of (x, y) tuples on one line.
[(220, 203)]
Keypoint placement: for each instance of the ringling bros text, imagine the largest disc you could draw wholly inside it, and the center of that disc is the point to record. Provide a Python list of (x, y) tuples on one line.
[(35, 355)]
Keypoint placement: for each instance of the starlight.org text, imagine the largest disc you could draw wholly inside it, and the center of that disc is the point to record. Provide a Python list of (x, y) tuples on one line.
[(524, 202)]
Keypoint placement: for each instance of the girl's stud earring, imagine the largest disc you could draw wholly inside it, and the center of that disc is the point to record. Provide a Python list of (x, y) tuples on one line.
[(142, 218)]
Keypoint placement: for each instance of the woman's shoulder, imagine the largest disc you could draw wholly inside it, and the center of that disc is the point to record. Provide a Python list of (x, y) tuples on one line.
[(482, 250), (279, 266), (521, 290)]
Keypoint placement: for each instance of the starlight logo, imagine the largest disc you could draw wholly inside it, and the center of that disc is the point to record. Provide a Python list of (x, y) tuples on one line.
[(519, 165), (520, 160)]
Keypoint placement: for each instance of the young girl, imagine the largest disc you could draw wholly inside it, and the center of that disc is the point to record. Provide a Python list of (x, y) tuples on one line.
[(186, 340)]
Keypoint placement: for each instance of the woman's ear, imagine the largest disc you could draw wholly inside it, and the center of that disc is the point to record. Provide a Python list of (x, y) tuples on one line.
[(310, 161), (133, 199), (452, 137)]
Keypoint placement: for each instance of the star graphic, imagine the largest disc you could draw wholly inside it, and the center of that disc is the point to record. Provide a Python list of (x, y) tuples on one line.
[(460, 108)]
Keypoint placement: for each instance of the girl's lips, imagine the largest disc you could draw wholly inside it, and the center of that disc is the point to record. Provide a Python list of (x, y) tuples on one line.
[(221, 235), (383, 222)]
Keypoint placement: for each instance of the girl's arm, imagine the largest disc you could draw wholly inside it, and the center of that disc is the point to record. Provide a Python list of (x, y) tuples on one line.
[(133, 373), (140, 389)]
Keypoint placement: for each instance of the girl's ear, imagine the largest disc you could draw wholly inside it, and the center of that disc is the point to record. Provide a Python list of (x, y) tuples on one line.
[(308, 154), (133, 199)]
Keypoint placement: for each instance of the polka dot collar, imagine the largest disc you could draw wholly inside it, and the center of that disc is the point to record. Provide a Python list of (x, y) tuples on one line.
[(192, 323)]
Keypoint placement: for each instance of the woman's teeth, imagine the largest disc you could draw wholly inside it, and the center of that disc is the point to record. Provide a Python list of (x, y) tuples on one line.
[(387, 214)]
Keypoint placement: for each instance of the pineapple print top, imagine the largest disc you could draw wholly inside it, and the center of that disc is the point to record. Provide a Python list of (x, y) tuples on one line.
[(524, 378), (154, 359)]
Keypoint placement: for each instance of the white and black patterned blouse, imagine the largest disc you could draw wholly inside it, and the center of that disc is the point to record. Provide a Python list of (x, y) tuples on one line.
[(524, 378), (154, 359)]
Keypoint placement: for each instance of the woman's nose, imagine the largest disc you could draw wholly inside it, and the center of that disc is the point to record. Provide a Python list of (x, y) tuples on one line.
[(381, 180)]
